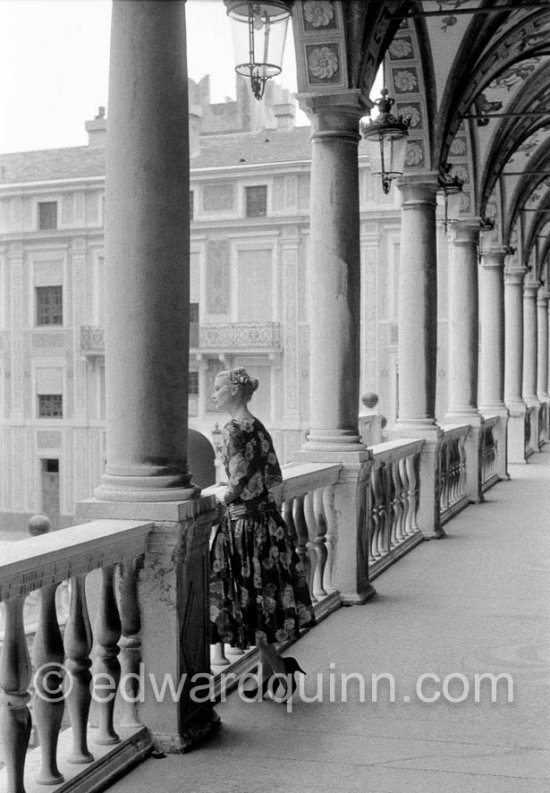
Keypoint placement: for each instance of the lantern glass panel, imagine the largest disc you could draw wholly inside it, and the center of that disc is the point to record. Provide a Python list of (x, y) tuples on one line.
[(259, 48)]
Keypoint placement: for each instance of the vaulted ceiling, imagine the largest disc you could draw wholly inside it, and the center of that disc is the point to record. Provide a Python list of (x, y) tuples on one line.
[(474, 78)]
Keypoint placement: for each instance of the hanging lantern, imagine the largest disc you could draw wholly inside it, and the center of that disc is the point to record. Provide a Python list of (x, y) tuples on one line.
[(259, 35), (388, 135)]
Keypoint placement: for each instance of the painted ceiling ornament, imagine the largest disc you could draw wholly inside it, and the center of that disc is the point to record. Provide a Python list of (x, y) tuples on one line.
[(405, 80), (411, 112), (400, 48), (415, 155), (319, 13), (458, 147), (515, 74), (323, 63)]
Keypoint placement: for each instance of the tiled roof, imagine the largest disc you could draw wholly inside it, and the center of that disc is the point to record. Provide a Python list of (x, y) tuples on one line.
[(267, 146)]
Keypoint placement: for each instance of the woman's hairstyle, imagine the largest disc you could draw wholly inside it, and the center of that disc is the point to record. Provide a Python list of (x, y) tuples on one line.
[(241, 378)]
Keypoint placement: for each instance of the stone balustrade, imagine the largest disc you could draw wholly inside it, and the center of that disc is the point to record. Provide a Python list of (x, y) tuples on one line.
[(452, 470), (62, 666), (393, 486)]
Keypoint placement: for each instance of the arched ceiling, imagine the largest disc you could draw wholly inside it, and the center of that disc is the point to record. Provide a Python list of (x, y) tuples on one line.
[(474, 77)]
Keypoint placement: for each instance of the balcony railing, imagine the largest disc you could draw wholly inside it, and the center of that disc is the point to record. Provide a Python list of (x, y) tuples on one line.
[(452, 471), (392, 503), (240, 336), (60, 673), (218, 337)]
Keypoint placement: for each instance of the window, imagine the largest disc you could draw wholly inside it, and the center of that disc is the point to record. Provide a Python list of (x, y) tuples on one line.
[(193, 324), (47, 215), (256, 201), (49, 305), (193, 387), (50, 406)]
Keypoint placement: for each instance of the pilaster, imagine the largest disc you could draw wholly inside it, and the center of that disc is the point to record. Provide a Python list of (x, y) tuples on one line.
[(513, 299), (418, 338), (542, 362), (464, 345), (491, 359), (530, 355)]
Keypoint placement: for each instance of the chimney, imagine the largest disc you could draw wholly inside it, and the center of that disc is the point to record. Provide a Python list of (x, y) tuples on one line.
[(97, 129), (195, 120), (285, 114)]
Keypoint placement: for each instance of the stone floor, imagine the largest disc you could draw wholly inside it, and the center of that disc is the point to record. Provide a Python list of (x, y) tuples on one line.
[(475, 602)]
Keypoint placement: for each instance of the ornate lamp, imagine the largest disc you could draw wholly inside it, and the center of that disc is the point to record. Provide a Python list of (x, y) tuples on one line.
[(388, 134), (259, 35)]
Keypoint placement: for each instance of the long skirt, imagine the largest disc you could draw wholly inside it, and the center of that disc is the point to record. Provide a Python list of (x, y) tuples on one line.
[(257, 581)]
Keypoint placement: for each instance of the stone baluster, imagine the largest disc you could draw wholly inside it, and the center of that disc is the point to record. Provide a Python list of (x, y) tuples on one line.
[(15, 677), (330, 539), (412, 493), (302, 538), (78, 646), (319, 543), (49, 698), (130, 640), (106, 666)]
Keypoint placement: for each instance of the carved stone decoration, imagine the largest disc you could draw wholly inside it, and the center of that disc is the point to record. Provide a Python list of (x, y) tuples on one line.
[(413, 111), (318, 14), (415, 153), (323, 63), (218, 288)]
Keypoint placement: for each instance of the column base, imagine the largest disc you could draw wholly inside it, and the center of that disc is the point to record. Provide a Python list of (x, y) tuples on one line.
[(333, 441), (121, 487), (202, 730)]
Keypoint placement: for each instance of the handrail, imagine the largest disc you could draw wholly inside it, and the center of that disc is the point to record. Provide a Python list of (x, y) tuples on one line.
[(48, 559)]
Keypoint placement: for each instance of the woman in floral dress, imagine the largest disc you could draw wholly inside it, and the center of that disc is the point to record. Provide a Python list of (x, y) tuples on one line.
[(258, 590)]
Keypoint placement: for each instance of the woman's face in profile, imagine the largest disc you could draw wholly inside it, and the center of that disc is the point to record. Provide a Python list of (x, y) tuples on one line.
[(221, 396)]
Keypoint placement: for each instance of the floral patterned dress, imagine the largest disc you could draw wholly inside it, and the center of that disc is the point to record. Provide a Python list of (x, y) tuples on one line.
[(257, 581)]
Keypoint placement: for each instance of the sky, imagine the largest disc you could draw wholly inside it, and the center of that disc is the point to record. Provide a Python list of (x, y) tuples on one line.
[(54, 64)]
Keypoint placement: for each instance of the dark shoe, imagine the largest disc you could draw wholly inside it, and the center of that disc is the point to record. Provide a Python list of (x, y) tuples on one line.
[(252, 693), (287, 680)]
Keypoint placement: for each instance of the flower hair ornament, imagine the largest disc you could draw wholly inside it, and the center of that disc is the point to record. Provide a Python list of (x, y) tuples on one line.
[(241, 377)]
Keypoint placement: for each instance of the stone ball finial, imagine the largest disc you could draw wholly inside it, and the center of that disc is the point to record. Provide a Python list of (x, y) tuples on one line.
[(39, 524), (370, 399)]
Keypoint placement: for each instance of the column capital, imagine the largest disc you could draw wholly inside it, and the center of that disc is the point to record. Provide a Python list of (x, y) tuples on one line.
[(418, 188), (531, 288), (334, 115), (465, 231), (515, 275), (493, 257)]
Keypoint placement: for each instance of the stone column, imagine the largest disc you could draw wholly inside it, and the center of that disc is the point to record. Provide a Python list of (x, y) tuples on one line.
[(491, 363), (147, 255), (530, 397), (513, 364), (542, 362), (146, 357), (334, 301), (464, 346), (417, 346)]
